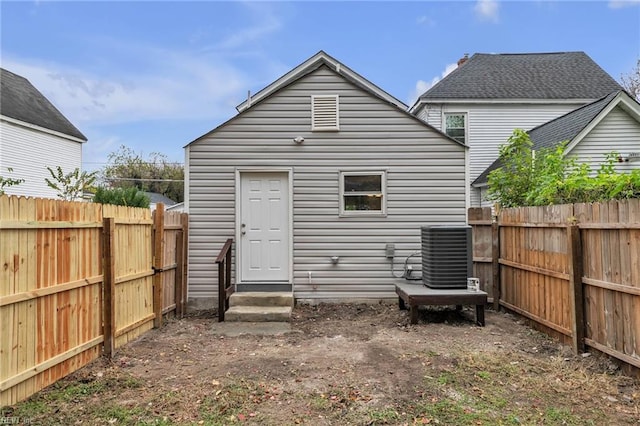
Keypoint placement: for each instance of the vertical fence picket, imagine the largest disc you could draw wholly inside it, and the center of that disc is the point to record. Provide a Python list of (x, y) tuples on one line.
[(109, 287), (184, 220), (495, 264), (179, 296), (576, 295), (158, 263)]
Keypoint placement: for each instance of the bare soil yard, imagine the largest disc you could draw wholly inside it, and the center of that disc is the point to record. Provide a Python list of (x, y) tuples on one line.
[(341, 365)]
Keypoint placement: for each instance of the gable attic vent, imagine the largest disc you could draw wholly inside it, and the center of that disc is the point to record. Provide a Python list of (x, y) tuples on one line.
[(324, 112)]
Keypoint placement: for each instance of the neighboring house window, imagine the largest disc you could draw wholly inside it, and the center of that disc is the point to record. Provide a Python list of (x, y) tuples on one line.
[(455, 126), (363, 192), (325, 113)]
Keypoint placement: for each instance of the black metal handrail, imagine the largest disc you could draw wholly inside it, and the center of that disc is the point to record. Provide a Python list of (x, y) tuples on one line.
[(225, 289)]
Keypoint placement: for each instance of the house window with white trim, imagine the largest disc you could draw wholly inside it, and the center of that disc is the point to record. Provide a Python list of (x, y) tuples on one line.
[(363, 193), (456, 126)]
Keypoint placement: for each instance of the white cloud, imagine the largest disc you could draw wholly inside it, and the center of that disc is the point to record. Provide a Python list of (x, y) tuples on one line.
[(425, 20), (422, 86), (618, 4), (487, 10), (179, 86), (249, 34), (263, 23)]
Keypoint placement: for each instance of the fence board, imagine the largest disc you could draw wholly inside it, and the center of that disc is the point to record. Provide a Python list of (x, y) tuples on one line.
[(480, 220), (171, 277), (536, 269), (133, 297), (51, 298)]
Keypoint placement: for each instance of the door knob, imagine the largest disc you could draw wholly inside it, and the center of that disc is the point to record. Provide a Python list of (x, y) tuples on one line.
[(244, 225)]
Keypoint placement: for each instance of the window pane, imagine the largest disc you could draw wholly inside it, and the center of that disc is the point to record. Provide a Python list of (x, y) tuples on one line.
[(455, 121), (457, 134), (363, 202), (455, 127), (363, 183)]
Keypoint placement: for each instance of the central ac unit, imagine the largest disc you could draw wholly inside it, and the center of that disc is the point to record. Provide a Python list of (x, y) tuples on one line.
[(446, 256)]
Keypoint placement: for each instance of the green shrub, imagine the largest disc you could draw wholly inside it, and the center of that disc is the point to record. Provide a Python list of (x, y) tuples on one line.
[(131, 197), (547, 176)]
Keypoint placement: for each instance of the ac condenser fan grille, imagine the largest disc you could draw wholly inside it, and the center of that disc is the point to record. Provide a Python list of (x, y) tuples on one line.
[(446, 256)]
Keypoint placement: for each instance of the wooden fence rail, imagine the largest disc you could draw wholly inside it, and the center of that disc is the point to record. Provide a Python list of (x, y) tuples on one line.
[(76, 279), (573, 269)]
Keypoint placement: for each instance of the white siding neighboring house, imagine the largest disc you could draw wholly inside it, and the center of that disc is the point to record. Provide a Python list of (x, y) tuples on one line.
[(592, 131), (496, 93), (320, 164), (34, 135)]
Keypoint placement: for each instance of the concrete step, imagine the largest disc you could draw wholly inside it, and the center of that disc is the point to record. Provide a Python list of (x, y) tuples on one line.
[(260, 298), (258, 314)]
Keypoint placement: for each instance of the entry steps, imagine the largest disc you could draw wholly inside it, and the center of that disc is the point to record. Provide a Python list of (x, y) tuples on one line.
[(260, 306)]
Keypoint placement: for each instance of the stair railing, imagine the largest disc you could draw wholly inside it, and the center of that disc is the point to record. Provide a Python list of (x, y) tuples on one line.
[(225, 289)]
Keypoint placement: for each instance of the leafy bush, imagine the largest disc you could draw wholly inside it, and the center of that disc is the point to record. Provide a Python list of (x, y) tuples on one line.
[(72, 185), (546, 176), (121, 197), (6, 182), (128, 169)]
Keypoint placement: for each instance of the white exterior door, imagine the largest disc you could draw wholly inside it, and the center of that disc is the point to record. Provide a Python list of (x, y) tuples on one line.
[(264, 226)]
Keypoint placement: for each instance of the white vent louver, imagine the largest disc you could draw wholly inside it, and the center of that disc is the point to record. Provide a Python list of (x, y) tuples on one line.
[(324, 112)]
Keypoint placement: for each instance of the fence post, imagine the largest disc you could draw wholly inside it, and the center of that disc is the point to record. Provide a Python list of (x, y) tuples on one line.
[(576, 296), (179, 274), (495, 263), (184, 220), (158, 263), (109, 288), (222, 292)]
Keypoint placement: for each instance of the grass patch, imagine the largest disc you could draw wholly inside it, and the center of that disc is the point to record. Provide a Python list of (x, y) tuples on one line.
[(451, 412), (384, 416), (57, 398), (506, 389), (233, 403)]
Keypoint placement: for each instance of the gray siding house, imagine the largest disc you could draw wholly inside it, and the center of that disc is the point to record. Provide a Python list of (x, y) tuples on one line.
[(490, 95), (313, 178)]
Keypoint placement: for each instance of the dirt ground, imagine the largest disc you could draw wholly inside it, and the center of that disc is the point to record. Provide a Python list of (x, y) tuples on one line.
[(344, 364)]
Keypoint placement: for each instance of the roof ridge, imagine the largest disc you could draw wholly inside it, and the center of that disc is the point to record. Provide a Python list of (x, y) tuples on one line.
[(310, 64), (573, 111), (525, 75), (24, 102), (531, 53)]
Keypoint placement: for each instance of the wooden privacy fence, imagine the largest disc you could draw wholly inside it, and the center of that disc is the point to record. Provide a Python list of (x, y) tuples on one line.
[(77, 278), (573, 269)]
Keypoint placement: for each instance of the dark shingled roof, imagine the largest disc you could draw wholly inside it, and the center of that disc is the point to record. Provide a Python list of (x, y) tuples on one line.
[(155, 198), (561, 75), (563, 128), (20, 100)]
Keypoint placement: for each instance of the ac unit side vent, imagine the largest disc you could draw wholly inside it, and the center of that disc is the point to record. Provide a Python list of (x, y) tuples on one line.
[(446, 256)]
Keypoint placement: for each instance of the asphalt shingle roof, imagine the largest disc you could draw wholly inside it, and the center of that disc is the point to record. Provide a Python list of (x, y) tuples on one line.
[(20, 100), (563, 128), (561, 75), (155, 198)]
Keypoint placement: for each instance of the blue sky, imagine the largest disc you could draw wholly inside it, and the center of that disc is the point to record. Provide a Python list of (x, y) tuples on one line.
[(155, 75)]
